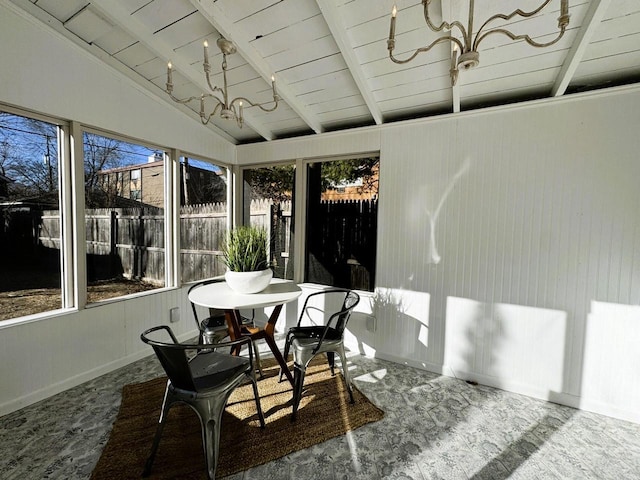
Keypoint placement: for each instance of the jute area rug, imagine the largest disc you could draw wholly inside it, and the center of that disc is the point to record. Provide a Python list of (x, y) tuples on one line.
[(324, 413)]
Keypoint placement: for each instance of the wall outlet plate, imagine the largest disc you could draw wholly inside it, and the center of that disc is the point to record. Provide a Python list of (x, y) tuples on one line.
[(371, 323), (174, 315)]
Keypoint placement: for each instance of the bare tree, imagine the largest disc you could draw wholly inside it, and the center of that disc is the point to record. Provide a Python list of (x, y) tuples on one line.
[(28, 155)]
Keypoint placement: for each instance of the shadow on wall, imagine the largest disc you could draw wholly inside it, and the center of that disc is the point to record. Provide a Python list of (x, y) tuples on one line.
[(395, 322), (506, 346)]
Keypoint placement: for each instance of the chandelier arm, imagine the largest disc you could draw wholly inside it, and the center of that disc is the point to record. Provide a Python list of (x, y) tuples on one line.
[(424, 49), (524, 37), (214, 111), (227, 110), (213, 88), (506, 17), (260, 105), (183, 101), (444, 25)]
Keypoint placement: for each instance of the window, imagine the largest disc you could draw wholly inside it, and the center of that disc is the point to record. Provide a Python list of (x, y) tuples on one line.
[(340, 220), (30, 230), (268, 202), (135, 185), (125, 229), (204, 218), (342, 205)]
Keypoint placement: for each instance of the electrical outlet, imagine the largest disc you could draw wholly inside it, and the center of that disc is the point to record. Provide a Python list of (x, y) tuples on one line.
[(371, 323), (174, 315)]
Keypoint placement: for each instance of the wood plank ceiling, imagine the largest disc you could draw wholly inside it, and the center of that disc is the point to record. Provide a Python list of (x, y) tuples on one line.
[(330, 57)]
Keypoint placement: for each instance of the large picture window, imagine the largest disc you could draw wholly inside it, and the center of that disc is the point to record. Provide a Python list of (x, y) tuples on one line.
[(342, 212), (30, 227), (268, 202), (340, 219), (124, 217), (204, 218)]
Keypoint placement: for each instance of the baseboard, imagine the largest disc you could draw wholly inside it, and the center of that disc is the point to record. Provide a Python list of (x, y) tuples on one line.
[(54, 389), (561, 398)]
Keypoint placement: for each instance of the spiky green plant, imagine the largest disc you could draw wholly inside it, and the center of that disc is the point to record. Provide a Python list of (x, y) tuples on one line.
[(245, 249)]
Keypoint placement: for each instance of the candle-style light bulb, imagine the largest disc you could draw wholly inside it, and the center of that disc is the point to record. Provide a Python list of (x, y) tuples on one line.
[(564, 7), (206, 52), (392, 29), (273, 84), (169, 67)]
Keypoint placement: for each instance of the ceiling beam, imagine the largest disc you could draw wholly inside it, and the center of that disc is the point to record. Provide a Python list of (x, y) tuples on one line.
[(216, 17), (114, 12), (455, 85), (329, 11), (591, 21), (142, 83)]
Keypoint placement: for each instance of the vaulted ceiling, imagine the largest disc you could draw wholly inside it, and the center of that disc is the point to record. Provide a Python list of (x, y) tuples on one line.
[(330, 58)]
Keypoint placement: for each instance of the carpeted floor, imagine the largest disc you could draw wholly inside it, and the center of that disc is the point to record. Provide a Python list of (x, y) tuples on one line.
[(324, 413)]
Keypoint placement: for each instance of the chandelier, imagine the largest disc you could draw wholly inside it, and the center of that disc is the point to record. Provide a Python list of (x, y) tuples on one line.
[(229, 110), (465, 46)]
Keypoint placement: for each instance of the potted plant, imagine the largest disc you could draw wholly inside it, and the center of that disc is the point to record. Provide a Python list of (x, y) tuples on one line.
[(245, 254)]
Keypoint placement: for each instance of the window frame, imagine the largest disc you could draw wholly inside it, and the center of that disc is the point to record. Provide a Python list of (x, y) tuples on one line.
[(300, 200), (229, 178), (171, 222)]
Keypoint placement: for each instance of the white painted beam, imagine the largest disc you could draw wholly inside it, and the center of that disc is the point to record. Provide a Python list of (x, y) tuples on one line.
[(592, 19), (330, 13)]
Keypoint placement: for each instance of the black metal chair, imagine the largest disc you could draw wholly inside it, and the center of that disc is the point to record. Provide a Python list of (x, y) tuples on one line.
[(204, 382), (307, 341), (213, 328)]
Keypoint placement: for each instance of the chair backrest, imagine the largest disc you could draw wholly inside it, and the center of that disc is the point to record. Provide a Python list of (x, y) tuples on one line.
[(177, 358), (212, 311), (350, 301), (173, 358), (341, 317)]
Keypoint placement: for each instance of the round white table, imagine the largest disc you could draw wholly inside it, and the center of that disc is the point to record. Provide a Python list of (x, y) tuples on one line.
[(219, 295)]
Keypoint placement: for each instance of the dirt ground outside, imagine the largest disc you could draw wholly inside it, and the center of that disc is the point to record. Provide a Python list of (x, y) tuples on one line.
[(18, 300)]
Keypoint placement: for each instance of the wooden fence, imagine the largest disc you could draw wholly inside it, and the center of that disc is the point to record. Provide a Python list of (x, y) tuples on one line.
[(341, 243), (130, 241)]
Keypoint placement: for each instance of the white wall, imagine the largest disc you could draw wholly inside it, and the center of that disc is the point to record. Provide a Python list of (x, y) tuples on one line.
[(516, 222), (502, 234)]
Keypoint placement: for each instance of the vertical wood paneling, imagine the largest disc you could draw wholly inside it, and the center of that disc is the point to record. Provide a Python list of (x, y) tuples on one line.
[(546, 217)]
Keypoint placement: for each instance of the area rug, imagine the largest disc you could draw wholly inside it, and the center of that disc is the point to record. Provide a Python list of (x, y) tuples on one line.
[(324, 413)]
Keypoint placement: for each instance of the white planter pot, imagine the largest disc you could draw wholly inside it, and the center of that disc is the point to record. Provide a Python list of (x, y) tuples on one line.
[(248, 282)]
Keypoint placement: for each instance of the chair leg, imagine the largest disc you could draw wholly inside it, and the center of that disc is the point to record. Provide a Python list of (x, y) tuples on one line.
[(331, 357), (211, 443), (298, 382), (210, 412), (257, 358), (345, 372), (287, 346), (257, 395), (166, 405)]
